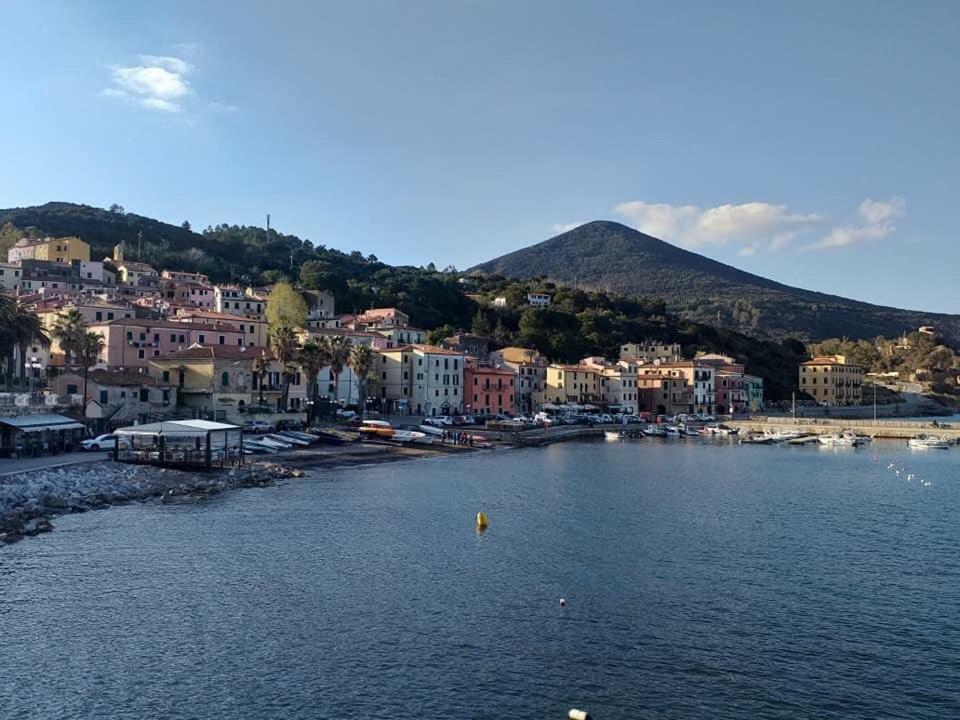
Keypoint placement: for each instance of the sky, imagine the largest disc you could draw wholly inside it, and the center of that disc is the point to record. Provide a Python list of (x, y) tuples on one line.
[(815, 143)]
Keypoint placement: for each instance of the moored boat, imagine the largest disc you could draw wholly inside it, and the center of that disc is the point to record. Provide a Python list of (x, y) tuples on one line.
[(927, 441), (756, 438), (841, 439)]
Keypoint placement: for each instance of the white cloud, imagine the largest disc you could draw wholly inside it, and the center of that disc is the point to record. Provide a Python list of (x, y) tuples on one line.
[(157, 83), (878, 218), (754, 226), (564, 227)]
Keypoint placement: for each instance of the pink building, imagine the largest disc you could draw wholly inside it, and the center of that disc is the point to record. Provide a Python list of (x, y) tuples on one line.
[(133, 342), (488, 389)]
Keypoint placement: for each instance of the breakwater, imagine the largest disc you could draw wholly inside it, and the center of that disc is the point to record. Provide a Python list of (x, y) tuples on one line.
[(884, 429)]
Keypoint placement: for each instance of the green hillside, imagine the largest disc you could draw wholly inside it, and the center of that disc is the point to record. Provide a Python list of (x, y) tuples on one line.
[(615, 258)]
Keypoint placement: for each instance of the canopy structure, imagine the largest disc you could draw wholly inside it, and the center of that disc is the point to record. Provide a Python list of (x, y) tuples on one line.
[(194, 443), (37, 434)]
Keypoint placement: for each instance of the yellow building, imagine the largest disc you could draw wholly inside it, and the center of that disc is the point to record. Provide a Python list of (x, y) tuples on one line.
[(62, 250), (572, 384), (531, 369), (832, 380)]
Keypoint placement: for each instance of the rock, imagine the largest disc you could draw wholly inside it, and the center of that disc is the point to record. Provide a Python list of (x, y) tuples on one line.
[(54, 502)]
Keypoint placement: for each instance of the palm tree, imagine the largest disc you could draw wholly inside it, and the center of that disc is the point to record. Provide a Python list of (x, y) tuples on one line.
[(339, 347), (361, 362), (314, 356), (68, 330), (261, 366), (91, 345), (20, 328), (283, 342)]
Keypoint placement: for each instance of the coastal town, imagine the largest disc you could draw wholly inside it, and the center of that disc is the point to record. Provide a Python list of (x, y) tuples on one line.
[(115, 342)]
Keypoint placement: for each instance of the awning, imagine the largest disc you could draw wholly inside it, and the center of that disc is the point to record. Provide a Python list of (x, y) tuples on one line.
[(42, 428)]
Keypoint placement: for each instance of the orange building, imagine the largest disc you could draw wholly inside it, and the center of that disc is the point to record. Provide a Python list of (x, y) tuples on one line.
[(488, 389)]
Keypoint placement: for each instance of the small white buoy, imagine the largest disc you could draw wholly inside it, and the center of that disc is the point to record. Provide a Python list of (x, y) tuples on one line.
[(575, 714), (563, 603)]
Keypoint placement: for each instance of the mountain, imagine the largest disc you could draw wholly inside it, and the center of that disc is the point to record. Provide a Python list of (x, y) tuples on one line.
[(611, 257)]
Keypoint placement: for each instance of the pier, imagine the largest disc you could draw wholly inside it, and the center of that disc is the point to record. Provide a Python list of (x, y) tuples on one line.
[(884, 429)]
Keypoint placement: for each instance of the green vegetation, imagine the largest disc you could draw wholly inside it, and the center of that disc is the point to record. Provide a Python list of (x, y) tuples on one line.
[(915, 354), (615, 258)]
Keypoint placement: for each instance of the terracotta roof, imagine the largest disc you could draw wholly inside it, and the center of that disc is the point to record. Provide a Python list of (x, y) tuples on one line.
[(171, 324), (214, 352), (119, 378)]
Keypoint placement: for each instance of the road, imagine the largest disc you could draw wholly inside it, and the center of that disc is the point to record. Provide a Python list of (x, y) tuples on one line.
[(12, 466)]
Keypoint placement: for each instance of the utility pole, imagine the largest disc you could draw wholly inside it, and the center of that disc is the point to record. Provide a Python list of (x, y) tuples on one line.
[(140, 245)]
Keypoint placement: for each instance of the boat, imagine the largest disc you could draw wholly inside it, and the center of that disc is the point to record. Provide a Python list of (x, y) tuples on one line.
[(807, 439), (840, 439), (252, 446), (623, 434), (926, 441), (655, 430), (725, 430), (430, 430), (403, 436), (673, 430), (297, 435), (270, 442), (784, 435), (756, 438), (279, 437), (377, 429)]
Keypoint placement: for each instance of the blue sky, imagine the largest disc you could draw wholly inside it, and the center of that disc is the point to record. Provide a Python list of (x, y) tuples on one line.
[(815, 143)]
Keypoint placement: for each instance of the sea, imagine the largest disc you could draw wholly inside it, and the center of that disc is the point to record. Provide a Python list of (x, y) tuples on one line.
[(700, 579)]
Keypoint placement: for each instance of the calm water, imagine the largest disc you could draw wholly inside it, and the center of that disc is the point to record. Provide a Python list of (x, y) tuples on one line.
[(702, 581)]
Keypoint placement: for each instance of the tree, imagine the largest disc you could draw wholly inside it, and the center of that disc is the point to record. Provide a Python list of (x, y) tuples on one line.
[(91, 344), (339, 349), (314, 356), (261, 366), (286, 308), (361, 362), (481, 324), (19, 328), (272, 276), (68, 330), (437, 334), (186, 225), (117, 209), (283, 343)]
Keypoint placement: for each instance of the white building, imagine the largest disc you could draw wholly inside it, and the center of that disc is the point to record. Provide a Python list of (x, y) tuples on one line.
[(422, 379), (538, 299)]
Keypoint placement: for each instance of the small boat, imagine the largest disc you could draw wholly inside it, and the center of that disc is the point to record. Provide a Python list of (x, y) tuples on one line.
[(926, 441), (404, 436), (725, 430), (807, 439), (783, 435), (756, 438), (377, 429), (623, 434), (252, 446), (270, 442), (673, 430), (691, 431), (430, 430), (297, 435), (840, 439), (655, 430), (611, 435), (280, 437)]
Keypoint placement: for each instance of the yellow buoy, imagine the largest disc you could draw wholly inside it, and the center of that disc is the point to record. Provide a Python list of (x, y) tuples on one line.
[(482, 521)]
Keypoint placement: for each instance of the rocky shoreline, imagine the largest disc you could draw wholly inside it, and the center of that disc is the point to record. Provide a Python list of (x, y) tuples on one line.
[(29, 500)]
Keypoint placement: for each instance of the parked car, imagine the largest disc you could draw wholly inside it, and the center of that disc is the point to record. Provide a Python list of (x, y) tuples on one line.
[(346, 414), (101, 442), (444, 420), (257, 426)]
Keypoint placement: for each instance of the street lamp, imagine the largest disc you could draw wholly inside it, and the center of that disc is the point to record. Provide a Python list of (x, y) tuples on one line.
[(874, 376)]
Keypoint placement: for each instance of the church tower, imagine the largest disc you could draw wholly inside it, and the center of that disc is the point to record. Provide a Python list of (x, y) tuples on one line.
[(118, 251)]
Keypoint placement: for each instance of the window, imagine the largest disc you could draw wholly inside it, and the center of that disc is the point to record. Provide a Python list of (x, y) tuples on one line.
[(221, 339), (99, 316), (180, 339), (224, 378), (200, 339), (140, 354), (166, 376), (104, 396)]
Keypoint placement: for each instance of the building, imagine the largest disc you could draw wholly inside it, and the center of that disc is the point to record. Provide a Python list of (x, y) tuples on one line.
[(701, 381), (219, 382), (401, 335), (48, 277), (60, 250), (730, 395), (382, 317), (422, 379), (538, 299), (320, 308), (135, 273), (618, 383), (119, 397), (649, 351), (566, 384), (488, 389), (186, 291), (832, 381), (180, 443), (663, 390), (472, 345), (236, 301), (133, 342), (192, 277), (32, 435), (531, 371), (255, 330), (753, 392), (10, 277), (499, 302)]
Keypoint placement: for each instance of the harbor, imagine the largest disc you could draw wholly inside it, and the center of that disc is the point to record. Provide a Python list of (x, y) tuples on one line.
[(879, 429)]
